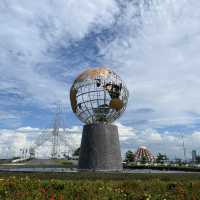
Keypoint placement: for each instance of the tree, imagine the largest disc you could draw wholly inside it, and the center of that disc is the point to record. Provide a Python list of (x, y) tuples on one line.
[(161, 158), (178, 161), (76, 152), (129, 156), (144, 160)]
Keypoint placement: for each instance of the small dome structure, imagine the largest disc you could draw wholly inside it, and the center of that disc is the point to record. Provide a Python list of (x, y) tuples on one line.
[(143, 154)]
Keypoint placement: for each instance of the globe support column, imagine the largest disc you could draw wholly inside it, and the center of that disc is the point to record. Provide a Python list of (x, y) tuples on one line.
[(100, 148)]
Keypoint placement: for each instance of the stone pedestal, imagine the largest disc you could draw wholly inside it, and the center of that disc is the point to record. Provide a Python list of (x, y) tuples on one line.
[(100, 148)]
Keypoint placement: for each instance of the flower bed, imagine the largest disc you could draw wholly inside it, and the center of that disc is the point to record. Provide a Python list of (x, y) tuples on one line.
[(27, 188)]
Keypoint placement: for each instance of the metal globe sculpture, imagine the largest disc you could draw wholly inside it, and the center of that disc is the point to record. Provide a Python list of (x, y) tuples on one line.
[(98, 95)]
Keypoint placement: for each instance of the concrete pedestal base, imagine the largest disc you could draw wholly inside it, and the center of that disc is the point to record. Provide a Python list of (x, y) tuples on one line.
[(100, 148)]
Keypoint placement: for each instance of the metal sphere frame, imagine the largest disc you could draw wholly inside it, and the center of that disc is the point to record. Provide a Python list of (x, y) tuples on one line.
[(98, 95)]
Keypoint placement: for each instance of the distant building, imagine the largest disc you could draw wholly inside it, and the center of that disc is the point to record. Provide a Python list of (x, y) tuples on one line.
[(194, 156)]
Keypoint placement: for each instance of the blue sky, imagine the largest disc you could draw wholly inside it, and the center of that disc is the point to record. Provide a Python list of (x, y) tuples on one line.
[(152, 44)]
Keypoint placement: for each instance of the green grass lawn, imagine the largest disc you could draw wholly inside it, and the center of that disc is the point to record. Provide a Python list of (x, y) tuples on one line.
[(57, 163), (86, 186)]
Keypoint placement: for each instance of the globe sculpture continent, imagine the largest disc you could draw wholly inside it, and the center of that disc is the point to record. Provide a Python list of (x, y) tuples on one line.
[(98, 97)]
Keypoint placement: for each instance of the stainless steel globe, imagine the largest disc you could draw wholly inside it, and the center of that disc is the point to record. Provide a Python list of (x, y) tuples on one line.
[(98, 95)]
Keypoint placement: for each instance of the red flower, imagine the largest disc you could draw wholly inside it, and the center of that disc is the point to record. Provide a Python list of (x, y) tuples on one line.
[(52, 197), (60, 197)]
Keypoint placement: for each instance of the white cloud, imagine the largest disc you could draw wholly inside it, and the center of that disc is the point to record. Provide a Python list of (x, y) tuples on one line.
[(156, 53), (169, 143), (13, 141), (196, 136), (153, 136), (155, 50), (31, 33), (125, 132), (130, 139)]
